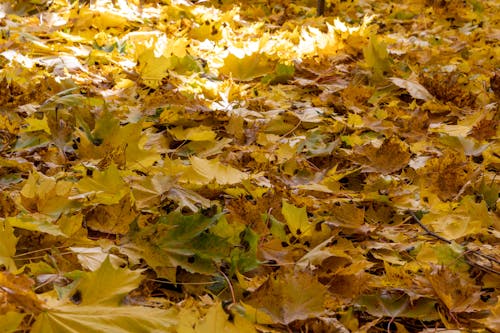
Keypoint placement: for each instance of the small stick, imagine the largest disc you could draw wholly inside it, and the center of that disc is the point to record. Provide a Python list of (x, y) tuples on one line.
[(423, 226), (467, 253)]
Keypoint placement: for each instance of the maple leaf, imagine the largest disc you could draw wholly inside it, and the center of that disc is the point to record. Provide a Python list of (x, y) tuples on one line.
[(200, 133), (282, 73), (278, 297), (112, 219), (179, 240), (446, 175), (156, 54), (415, 89), (106, 286), (245, 259), (377, 58), (122, 145), (449, 255), (97, 318), (297, 220), (396, 304), (245, 65), (150, 191), (92, 258), (348, 216), (493, 321), (35, 222), (105, 187), (391, 156), (466, 219), (46, 195), (316, 255)]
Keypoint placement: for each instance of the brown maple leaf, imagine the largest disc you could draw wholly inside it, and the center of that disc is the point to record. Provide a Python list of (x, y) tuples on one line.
[(446, 175), (390, 157), (289, 296)]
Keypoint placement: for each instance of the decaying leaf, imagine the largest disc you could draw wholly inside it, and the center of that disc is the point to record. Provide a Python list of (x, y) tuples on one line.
[(280, 299), (391, 156), (16, 293)]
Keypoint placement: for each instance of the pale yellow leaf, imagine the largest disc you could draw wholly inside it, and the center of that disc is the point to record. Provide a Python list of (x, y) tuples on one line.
[(213, 169), (415, 89)]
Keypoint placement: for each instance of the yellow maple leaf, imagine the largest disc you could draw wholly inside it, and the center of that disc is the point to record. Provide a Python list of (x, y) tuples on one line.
[(106, 187), (377, 58), (297, 220), (35, 124)]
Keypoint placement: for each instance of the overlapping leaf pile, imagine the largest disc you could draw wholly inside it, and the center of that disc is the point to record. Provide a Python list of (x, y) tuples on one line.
[(221, 167)]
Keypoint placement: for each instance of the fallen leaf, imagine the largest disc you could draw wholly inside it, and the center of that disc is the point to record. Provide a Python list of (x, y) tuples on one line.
[(278, 297), (415, 89)]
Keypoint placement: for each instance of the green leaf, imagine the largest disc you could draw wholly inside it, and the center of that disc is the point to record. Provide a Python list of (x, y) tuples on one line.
[(98, 319), (181, 240), (282, 73), (276, 227), (106, 126), (229, 231), (244, 258), (489, 192)]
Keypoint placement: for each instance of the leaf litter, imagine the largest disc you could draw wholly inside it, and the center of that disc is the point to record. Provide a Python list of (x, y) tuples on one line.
[(208, 166)]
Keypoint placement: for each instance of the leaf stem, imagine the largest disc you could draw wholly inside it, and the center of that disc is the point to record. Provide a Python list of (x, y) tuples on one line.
[(230, 286)]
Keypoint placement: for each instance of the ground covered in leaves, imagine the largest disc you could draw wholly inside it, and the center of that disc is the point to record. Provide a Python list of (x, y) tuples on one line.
[(249, 167)]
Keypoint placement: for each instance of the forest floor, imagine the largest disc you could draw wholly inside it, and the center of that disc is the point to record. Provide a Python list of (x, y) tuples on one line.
[(215, 166)]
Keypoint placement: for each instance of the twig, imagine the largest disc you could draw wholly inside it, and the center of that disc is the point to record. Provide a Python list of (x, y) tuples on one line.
[(183, 283), (467, 254), (423, 226)]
